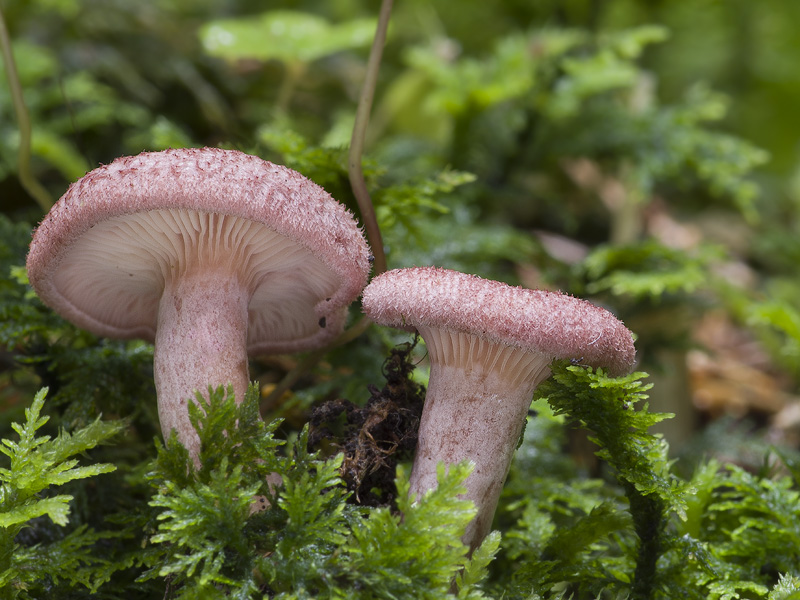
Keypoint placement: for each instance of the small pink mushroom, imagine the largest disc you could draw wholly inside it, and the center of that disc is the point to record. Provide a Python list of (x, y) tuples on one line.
[(209, 253), (490, 345)]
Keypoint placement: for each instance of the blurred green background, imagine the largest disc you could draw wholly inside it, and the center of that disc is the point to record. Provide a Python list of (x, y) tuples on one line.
[(108, 78), (642, 154)]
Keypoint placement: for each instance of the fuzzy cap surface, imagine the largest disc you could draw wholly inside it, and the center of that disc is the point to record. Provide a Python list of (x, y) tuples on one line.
[(551, 323)]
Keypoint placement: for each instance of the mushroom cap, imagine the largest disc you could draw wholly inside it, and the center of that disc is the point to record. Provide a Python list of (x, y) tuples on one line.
[(105, 252), (550, 323)]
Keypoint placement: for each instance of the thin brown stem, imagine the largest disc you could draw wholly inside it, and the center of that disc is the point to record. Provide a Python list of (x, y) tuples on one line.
[(26, 177), (355, 171)]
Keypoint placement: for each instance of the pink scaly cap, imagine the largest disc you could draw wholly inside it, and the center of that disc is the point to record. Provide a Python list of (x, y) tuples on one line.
[(550, 323), (100, 257)]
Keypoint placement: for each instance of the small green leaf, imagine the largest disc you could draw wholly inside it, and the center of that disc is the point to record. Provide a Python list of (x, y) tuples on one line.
[(787, 588), (283, 35), (476, 569), (55, 507)]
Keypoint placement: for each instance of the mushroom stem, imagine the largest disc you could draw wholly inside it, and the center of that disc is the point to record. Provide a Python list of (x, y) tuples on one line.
[(475, 407), (201, 340)]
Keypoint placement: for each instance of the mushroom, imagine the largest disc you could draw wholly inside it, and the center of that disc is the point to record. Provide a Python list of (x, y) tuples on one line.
[(210, 254), (490, 345)]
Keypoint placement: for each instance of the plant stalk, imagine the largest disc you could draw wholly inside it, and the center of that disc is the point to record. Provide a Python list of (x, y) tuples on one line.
[(649, 522), (26, 177), (355, 171)]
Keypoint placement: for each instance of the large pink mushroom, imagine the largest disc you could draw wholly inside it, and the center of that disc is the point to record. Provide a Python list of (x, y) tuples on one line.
[(490, 345), (209, 253)]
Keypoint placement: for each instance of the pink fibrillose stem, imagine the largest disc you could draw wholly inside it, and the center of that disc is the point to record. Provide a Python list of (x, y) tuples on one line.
[(201, 340)]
